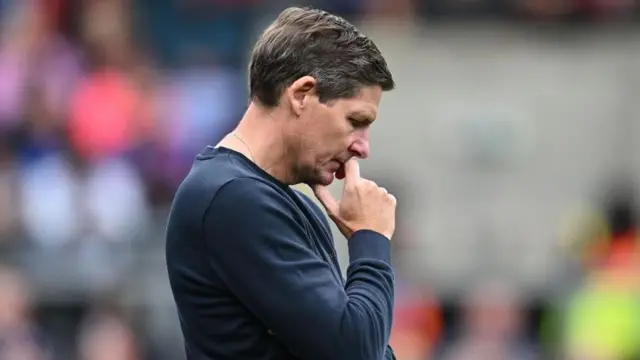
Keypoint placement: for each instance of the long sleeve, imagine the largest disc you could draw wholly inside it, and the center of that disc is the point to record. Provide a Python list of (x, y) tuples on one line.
[(263, 254), (389, 354)]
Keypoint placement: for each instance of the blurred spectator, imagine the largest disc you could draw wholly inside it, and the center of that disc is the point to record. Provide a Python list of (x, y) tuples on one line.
[(204, 102), (109, 112), (492, 327), (603, 320), (31, 55), (40, 133), (78, 225), (417, 323), (106, 336), (9, 214), (104, 103), (20, 338), (49, 211), (108, 115), (603, 317), (108, 24)]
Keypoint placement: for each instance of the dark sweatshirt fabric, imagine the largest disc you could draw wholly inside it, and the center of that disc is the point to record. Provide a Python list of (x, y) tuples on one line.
[(254, 272)]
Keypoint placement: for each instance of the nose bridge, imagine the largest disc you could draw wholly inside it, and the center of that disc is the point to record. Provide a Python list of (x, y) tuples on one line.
[(360, 145)]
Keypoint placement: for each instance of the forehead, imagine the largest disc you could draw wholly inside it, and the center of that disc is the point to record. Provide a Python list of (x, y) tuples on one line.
[(364, 103)]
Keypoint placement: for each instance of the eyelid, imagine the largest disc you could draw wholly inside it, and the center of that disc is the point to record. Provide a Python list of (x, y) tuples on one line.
[(359, 122)]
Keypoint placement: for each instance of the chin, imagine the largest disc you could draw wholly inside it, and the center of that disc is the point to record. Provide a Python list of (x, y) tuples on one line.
[(325, 178), (322, 177)]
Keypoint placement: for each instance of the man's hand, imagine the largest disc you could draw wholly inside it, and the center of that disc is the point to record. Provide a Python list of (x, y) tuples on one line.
[(363, 206)]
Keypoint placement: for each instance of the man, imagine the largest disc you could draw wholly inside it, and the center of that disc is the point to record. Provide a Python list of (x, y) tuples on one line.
[(251, 262)]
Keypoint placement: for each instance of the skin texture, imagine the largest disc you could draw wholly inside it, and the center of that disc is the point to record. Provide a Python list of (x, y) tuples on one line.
[(303, 140)]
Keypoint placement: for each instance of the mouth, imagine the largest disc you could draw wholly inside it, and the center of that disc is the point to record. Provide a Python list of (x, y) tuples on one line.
[(339, 173)]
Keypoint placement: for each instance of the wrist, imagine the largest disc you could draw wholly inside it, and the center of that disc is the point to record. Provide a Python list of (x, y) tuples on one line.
[(369, 244)]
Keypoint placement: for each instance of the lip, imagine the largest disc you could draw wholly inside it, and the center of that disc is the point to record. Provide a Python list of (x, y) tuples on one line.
[(335, 165)]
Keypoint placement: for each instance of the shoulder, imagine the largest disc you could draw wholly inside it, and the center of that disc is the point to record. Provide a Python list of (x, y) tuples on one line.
[(249, 191), (252, 201), (246, 209), (214, 179), (213, 172)]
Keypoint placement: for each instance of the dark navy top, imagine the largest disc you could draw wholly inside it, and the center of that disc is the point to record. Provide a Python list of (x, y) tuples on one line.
[(254, 273)]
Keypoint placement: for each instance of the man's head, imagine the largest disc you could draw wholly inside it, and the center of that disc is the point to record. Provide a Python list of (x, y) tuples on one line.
[(328, 79)]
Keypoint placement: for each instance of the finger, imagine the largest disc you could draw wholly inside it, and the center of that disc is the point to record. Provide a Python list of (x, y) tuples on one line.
[(351, 171), (326, 199)]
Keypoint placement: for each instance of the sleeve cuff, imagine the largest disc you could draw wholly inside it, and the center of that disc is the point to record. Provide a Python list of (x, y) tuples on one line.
[(368, 244)]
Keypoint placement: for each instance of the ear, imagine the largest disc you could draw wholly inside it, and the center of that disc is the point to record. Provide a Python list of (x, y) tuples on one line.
[(300, 92)]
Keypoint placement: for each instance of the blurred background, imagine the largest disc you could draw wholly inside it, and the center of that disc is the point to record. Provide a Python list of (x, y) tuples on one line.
[(510, 144)]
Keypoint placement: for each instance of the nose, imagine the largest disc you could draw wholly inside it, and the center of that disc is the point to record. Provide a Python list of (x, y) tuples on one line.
[(360, 146)]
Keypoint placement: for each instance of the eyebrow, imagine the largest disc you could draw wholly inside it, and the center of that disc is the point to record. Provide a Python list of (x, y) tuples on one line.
[(362, 117)]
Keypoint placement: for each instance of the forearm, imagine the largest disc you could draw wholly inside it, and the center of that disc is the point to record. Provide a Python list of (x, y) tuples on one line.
[(369, 287)]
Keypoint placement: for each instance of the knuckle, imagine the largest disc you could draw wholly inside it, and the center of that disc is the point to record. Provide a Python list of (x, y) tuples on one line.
[(366, 187), (369, 183), (354, 185)]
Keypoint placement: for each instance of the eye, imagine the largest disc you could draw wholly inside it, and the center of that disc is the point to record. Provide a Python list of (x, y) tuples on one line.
[(358, 123)]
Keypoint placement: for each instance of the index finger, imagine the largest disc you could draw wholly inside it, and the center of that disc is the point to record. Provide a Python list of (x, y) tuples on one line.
[(326, 199), (351, 170)]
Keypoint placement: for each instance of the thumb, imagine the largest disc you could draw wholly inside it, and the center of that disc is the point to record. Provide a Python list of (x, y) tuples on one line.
[(326, 199)]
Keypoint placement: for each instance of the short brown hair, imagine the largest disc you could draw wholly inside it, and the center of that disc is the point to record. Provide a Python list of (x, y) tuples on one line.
[(304, 41)]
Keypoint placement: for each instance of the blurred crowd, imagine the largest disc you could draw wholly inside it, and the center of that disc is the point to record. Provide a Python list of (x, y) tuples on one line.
[(594, 314), (98, 125), (103, 104)]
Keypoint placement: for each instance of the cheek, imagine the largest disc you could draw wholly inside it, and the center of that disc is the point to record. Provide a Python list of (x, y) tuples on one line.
[(327, 134), (341, 133)]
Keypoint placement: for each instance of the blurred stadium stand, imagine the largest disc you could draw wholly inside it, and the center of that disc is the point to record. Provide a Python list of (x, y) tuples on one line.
[(510, 142)]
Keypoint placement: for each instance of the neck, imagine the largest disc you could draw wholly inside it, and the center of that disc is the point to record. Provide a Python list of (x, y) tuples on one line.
[(260, 138)]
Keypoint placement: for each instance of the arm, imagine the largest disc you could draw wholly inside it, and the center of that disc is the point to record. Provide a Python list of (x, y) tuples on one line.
[(259, 250)]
